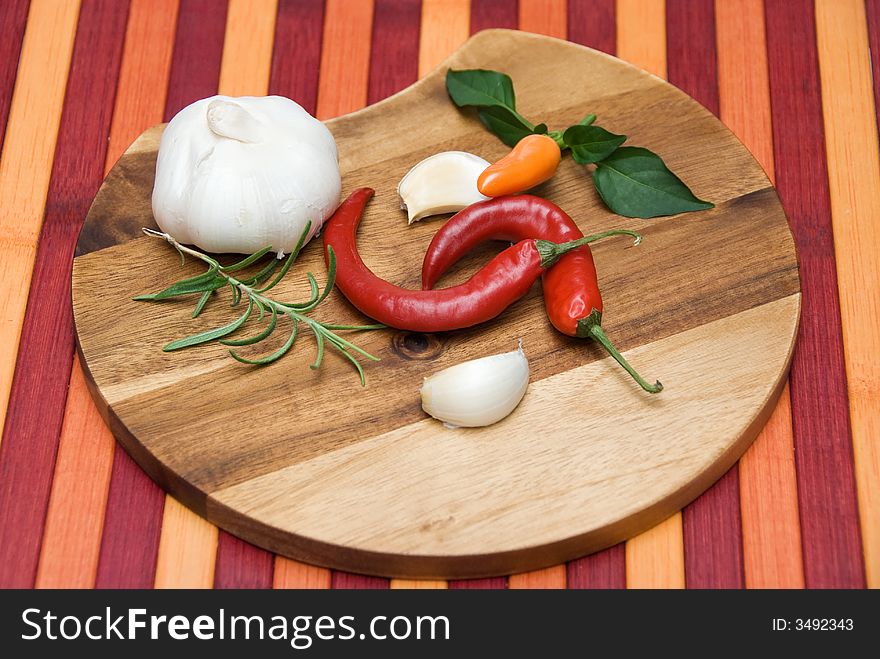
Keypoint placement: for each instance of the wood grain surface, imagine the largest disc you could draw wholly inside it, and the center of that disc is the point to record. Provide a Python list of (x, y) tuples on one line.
[(768, 484), (655, 558), (74, 521), (854, 186), (13, 18), (295, 69), (26, 163), (711, 527), (72, 176), (249, 481), (593, 23), (64, 542), (822, 436)]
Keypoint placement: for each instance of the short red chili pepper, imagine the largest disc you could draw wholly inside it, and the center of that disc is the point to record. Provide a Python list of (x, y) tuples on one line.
[(571, 288), (500, 283)]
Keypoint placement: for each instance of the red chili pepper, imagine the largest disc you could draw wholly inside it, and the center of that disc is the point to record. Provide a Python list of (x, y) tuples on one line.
[(500, 283), (571, 288)]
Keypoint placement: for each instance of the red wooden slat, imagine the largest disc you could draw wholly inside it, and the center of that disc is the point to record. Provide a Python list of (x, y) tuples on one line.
[(135, 504), (823, 443), (492, 583), (13, 17), (394, 55), (712, 533), (592, 23), (132, 524), (39, 389), (711, 525), (872, 11), (297, 52), (604, 569), (691, 62), (348, 581), (198, 47), (487, 14), (242, 565)]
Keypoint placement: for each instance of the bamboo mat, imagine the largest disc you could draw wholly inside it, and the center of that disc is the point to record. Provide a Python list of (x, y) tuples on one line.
[(80, 79)]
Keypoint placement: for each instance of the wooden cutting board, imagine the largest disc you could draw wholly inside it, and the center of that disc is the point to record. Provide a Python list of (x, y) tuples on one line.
[(309, 464)]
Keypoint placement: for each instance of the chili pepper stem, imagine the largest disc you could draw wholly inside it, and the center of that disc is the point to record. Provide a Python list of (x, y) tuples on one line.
[(552, 252), (591, 327)]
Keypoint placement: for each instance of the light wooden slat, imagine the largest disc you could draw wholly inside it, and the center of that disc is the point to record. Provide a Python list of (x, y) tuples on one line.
[(423, 584), (742, 76), (345, 57), (544, 17), (654, 559), (187, 549), (146, 66), (293, 574), (550, 578), (768, 484), (188, 544), (72, 536), (772, 554), (641, 34), (247, 47), (26, 164), (854, 178), (445, 26)]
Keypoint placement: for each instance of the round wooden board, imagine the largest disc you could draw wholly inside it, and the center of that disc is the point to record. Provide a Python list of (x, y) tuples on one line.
[(309, 464)]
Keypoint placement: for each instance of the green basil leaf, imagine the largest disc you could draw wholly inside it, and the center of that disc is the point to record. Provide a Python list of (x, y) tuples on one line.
[(635, 182), (480, 88), (507, 125), (591, 144)]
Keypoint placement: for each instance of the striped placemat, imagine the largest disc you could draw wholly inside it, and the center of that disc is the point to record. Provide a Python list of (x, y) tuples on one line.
[(80, 79)]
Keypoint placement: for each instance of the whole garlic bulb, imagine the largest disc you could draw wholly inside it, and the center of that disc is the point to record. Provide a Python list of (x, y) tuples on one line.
[(237, 174)]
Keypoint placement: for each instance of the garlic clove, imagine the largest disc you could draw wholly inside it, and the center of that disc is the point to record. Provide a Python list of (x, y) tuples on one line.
[(229, 119), (478, 392), (443, 183)]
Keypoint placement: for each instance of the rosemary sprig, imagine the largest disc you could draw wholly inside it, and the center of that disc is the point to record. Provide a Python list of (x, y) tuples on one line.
[(253, 289)]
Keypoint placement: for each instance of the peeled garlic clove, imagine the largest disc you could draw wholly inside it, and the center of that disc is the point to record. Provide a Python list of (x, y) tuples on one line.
[(443, 183), (478, 392)]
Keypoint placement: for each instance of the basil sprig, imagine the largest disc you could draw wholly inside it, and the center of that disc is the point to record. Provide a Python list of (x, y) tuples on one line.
[(632, 181)]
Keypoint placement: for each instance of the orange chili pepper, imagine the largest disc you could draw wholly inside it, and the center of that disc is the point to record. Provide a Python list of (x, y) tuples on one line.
[(532, 161)]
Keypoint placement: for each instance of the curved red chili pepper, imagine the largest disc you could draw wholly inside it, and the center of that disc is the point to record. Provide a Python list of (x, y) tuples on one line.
[(500, 283), (571, 288)]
